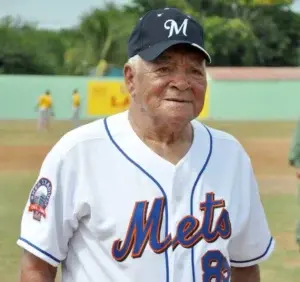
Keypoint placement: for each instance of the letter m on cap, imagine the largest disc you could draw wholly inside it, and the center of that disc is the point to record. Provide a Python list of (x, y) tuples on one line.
[(172, 26)]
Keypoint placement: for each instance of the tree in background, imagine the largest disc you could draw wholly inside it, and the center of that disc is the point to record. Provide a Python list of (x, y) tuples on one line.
[(103, 37), (26, 49), (243, 32), (238, 33)]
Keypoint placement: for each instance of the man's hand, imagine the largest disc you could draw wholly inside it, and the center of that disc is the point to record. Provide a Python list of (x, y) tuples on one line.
[(34, 269), (245, 274)]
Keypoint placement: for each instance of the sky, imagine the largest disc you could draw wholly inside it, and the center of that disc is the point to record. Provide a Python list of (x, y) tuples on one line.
[(51, 13), (56, 14)]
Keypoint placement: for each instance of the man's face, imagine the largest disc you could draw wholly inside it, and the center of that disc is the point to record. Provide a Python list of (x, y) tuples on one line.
[(172, 86)]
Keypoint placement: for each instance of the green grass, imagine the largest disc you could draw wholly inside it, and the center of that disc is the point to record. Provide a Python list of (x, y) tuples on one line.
[(260, 129), (14, 189), (25, 133), (284, 265)]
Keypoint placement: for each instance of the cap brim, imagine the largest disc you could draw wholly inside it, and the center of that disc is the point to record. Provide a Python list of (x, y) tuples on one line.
[(152, 52)]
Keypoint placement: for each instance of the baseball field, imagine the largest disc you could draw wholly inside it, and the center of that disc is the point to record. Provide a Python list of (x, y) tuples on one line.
[(22, 150)]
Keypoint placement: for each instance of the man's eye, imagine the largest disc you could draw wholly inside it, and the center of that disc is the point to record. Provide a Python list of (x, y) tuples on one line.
[(164, 69), (195, 71)]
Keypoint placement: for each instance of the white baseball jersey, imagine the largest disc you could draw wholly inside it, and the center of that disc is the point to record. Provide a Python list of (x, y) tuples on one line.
[(110, 209)]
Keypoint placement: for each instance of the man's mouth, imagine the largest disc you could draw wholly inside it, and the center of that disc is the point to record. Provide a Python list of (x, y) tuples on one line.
[(178, 100)]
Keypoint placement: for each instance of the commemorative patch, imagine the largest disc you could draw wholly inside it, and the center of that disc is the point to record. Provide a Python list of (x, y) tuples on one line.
[(39, 198)]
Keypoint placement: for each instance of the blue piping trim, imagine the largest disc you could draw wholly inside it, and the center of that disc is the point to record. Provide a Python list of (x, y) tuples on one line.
[(154, 180), (257, 258), (192, 196), (40, 250)]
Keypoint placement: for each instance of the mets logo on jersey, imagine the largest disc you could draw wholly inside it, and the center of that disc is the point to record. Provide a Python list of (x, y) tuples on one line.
[(143, 229), (39, 198)]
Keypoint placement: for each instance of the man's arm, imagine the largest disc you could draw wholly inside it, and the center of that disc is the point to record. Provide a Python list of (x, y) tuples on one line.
[(294, 153), (33, 269), (245, 274)]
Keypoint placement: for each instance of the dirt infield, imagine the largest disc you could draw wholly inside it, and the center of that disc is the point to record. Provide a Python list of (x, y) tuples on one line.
[(269, 158), (21, 157), (268, 155)]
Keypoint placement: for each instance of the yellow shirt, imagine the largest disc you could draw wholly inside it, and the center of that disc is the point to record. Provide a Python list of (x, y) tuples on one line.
[(76, 100), (45, 101)]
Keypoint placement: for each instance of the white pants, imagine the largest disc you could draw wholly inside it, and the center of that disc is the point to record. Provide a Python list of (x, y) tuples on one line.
[(75, 115), (44, 116)]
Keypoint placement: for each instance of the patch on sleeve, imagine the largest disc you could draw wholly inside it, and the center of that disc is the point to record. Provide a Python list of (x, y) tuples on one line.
[(39, 198)]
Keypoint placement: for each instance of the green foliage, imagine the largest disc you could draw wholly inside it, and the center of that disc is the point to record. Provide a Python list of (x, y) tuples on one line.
[(230, 41), (238, 33), (279, 36), (146, 5), (26, 49)]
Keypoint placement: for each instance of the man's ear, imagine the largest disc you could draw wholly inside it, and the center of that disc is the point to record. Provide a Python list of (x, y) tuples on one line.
[(128, 72)]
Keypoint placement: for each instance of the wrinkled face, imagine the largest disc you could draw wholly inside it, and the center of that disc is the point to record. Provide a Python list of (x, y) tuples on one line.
[(171, 87)]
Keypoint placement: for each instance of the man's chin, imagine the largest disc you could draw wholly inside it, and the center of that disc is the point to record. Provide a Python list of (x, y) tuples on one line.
[(177, 114)]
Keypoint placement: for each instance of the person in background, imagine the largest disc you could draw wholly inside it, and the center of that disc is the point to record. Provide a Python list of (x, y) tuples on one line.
[(45, 110), (76, 101), (294, 161)]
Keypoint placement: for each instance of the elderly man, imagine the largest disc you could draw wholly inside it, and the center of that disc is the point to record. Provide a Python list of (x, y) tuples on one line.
[(149, 194)]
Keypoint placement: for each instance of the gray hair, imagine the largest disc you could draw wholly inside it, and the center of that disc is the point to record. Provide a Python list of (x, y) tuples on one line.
[(134, 61)]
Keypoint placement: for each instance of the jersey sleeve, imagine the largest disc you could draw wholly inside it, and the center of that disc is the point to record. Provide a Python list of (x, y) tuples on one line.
[(254, 243), (49, 218)]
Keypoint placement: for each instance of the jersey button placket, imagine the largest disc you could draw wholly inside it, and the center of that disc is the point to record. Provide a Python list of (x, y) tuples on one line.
[(178, 203), (172, 224)]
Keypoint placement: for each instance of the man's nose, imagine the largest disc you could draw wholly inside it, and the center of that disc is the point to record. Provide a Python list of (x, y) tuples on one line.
[(180, 81)]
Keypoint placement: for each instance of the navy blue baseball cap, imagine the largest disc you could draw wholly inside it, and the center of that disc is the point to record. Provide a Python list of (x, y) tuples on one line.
[(160, 29)]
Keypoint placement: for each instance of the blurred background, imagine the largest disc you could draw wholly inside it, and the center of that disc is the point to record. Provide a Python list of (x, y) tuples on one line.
[(62, 46)]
